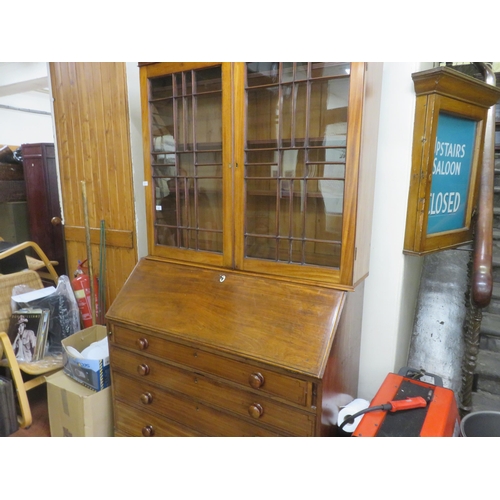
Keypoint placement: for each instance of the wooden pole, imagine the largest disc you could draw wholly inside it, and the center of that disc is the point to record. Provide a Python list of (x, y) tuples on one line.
[(89, 252), (102, 273)]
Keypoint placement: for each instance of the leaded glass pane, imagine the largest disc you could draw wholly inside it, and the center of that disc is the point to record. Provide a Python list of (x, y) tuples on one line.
[(186, 159), (295, 152)]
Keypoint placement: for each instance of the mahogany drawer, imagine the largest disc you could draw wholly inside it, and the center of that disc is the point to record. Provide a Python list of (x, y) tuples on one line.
[(289, 388), (132, 422), (241, 401), (186, 411)]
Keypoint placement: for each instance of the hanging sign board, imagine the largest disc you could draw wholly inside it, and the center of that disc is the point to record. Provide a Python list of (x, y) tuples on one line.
[(450, 120), (451, 173)]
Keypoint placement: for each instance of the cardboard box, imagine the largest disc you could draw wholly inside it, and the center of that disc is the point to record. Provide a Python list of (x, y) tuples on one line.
[(76, 411), (93, 374)]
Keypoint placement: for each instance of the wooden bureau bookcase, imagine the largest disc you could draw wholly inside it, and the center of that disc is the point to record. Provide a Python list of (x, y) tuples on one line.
[(245, 318)]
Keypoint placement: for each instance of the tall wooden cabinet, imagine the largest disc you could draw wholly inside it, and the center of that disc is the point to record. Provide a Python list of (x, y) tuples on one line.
[(42, 195), (245, 317)]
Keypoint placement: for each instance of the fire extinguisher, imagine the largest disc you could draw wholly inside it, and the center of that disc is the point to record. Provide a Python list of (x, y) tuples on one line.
[(81, 287)]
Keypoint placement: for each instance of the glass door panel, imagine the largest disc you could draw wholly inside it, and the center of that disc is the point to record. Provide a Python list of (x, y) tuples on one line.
[(295, 162), (186, 127), (255, 166)]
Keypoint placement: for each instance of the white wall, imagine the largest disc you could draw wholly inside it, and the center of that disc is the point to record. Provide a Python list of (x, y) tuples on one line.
[(391, 288), (18, 128), (22, 127), (134, 103)]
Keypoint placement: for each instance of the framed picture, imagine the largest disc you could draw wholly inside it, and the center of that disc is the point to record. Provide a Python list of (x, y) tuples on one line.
[(28, 329)]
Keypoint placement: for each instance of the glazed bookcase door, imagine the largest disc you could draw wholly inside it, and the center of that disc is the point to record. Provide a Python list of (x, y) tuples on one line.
[(187, 142), (255, 166), (298, 129)]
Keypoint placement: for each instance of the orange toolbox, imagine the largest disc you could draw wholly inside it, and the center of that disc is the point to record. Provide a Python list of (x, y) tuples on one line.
[(405, 406)]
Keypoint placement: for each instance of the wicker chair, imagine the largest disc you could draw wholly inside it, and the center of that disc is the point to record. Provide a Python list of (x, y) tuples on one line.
[(35, 371), (43, 266)]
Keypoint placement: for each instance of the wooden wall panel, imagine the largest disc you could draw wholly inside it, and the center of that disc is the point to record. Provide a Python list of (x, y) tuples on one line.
[(93, 144)]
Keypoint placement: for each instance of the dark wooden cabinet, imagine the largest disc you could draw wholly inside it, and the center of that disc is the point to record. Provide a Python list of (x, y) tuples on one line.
[(42, 195)]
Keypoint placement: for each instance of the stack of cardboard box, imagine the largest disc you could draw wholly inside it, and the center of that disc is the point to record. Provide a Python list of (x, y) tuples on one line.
[(79, 396)]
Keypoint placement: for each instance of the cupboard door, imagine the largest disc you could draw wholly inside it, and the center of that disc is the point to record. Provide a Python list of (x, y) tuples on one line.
[(298, 127), (44, 209), (283, 137), (186, 119)]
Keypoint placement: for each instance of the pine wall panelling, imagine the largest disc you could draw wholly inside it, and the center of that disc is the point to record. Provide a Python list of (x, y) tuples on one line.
[(92, 134)]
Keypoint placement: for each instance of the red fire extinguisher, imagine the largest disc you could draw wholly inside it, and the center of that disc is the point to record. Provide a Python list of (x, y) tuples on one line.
[(81, 287)]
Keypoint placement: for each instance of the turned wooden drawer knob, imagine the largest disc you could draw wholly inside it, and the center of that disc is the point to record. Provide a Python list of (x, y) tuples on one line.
[(146, 398), (143, 369), (148, 431), (255, 410), (142, 344), (256, 380)]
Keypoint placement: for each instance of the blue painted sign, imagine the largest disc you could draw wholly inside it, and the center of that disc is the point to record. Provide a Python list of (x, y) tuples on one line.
[(451, 173)]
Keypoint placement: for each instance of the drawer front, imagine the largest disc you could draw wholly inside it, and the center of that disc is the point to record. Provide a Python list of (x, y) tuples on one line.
[(289, 388), (189, 412), (134, 423), (243, 402)]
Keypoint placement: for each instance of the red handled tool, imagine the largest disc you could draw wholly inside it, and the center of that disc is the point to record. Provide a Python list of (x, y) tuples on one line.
[(405, 404), (392, 406)]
